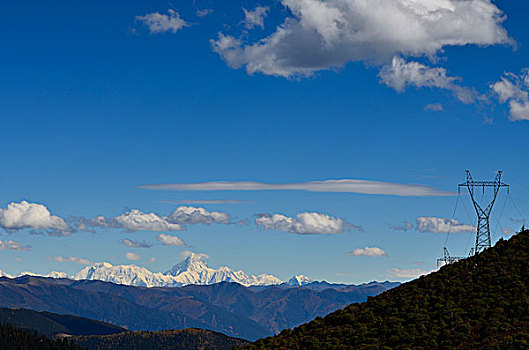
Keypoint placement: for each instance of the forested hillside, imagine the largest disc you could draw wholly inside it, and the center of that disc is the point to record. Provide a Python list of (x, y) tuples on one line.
[(480, 302), (12, 338), (191, 338)]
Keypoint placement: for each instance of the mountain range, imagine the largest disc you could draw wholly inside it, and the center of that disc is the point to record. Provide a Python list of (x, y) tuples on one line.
[(192, 270), (229, 308)]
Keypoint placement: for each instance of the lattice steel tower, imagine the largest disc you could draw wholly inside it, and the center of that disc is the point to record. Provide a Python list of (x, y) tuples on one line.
[(483, 228)]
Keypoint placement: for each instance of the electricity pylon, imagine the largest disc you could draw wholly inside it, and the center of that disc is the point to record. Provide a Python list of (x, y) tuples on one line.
[(447, 259), (483, 228)]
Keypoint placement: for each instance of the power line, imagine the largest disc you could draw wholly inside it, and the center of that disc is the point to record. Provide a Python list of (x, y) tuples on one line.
[(453, 215)]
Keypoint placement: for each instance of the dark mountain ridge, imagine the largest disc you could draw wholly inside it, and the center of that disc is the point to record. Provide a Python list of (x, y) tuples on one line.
[(477, 303), (47, 323)]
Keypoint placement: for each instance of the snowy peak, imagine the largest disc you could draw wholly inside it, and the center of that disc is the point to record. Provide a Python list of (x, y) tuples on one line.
[(192, 270), (5, 274), (125, 274), (193, 262), (299, 280), (57, 274)]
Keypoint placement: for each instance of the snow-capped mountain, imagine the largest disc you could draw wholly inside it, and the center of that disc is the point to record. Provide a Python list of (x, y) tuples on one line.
[(57, 274), (125, 274), (299, 280), (193, 270), (5, 274)]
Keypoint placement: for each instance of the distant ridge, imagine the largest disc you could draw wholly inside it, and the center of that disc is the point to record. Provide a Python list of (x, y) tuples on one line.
[(477, 303)]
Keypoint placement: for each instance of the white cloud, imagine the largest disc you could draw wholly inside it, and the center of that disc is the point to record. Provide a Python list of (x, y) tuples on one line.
[(256, 17), (408, 273), (136, 220), (338, 186), (206, 201), (203, 12), (135, 244), (368, 251), (513, 89), (170, 240), (441, 225), (507, 231), (161, 23), (132, 256), (303, 223), (401, 74), (72, 259), (406, 226), (15, 246), (193, 215), (23, 215), (187, 253), (322, 35), (434, 107)]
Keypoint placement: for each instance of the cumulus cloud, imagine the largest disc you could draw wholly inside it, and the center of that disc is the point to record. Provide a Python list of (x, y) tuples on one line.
[(408, 273), (368, 251), (133, 220), (206, 201), (132, 256), (256, 17), (72, 259), (434, 107), (193, 215), (303, 223), (135, 244), (25, 215), (406, 226), (401, 74), (136, 220), (442, 225), (338, 186), (318, 35), (161, 23), (170, 240), (15, 246), (513, 90)]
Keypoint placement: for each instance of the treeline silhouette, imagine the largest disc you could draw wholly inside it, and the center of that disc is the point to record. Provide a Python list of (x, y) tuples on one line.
[(182, 339), (12, 338)]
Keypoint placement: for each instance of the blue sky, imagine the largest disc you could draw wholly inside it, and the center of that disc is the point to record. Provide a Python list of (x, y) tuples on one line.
[(96, 101)]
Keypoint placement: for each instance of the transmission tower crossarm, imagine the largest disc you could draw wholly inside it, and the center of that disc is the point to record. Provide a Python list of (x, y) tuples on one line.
[(483, 227)]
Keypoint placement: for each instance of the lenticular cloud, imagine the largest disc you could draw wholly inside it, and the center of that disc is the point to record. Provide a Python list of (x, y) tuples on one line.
[(321, 34)]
